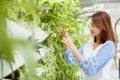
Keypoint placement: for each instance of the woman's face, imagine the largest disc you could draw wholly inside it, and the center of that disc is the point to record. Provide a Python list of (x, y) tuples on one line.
[(95, 31)]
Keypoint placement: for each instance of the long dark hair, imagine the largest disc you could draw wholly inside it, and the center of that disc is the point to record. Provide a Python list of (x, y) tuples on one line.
[(102, 20)]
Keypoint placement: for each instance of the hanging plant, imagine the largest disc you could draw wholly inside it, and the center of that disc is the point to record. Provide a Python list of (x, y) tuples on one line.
[(50, 16)]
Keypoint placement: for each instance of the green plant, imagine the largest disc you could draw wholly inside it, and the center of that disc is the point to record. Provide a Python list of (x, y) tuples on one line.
[(6, 43), (49, 15), (55, 15), (9, 44)]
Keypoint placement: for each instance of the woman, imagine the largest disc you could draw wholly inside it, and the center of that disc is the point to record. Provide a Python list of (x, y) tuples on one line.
[(96, 56)]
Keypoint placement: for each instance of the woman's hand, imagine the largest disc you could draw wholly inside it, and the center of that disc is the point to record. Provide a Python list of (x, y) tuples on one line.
[(63, 32), (69, 44), (66, 38)]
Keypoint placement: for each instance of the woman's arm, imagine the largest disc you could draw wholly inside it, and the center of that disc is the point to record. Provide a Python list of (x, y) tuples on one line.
[(76, 53), (92, 65), (70, 58), (68, 42)]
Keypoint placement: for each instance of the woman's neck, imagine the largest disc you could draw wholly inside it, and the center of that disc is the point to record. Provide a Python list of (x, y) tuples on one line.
[(98, 40)]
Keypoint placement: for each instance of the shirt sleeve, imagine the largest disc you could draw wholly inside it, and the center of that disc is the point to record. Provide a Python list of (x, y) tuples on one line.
[(92, 65), (70, 58)]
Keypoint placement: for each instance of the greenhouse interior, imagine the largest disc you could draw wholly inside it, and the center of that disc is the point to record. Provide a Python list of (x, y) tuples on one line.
[(50, 40)]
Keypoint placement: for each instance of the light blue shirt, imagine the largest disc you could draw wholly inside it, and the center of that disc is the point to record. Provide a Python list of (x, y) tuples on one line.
[(92, 65)]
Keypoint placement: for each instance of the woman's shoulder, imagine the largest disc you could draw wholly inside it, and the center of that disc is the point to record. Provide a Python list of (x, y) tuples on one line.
[(109, 44)]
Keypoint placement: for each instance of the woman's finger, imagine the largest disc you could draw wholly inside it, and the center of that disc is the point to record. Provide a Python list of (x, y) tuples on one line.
[(63, 38), (63, 32), (63, 41)]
